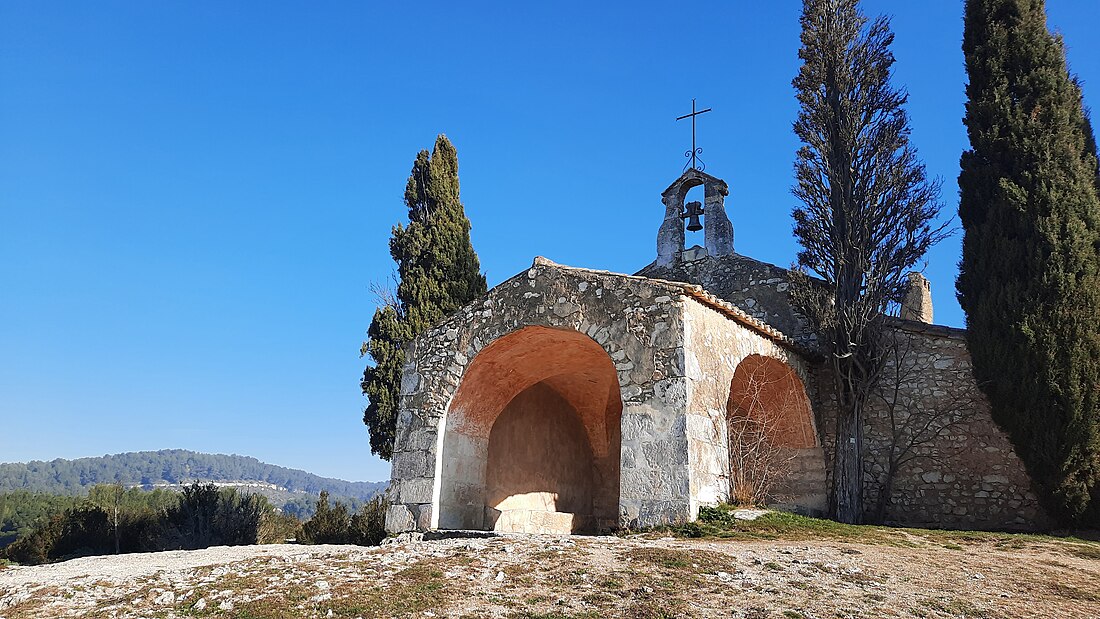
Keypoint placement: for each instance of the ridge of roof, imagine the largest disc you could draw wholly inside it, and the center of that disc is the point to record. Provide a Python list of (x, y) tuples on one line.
[(701, 295)]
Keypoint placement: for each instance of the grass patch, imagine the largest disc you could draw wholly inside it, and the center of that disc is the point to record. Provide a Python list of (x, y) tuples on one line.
[(33, 606), (650, 610), (955, 608), (409, 592), (718, 522), (1074, 593), (695, 561), (555, 615), (610, 583), (1091, 552)]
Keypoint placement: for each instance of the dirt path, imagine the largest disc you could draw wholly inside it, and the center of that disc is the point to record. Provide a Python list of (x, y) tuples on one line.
[(562, 577)]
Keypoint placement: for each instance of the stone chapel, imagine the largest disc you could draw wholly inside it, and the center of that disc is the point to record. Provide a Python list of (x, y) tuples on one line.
[(572, 400)]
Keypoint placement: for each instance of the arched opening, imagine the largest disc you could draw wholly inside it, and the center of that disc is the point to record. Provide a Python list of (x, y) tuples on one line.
[(694, 199), (769, 391), (532, 438), (774, 452)]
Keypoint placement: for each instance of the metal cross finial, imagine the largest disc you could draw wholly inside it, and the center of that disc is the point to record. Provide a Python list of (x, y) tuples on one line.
[(694, 152)]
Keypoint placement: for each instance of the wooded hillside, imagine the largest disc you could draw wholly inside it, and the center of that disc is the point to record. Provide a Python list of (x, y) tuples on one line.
[(169, 466)]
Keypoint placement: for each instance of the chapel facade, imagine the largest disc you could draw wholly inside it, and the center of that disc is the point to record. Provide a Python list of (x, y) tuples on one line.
[(571, 400)]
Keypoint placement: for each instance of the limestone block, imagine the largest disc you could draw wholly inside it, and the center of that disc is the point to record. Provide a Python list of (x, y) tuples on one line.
[(399, 519), (628, 457), (671, 393), (637, 424), (423, 516), (421, 439), (665, 452), (706, 427), (411, 464), (416, 490), (410, 379), (709, 494), (655, 513)]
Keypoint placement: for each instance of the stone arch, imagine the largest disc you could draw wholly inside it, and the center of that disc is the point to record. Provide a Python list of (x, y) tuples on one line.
[(770, 392), (768, 405), (531, 439)]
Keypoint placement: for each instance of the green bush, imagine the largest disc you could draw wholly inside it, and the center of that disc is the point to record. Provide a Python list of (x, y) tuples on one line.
[(276, 528), (334, 525), (207, 516), (368, 526), (134, 521)]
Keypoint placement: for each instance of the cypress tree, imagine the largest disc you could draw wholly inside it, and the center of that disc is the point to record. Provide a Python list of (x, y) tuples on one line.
[(438, 273), (1029, 278)]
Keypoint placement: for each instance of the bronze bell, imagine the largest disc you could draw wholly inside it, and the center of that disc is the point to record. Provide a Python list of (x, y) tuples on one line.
[(694, 210)]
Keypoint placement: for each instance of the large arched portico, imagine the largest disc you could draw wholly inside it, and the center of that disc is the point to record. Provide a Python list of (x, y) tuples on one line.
[(532, 437), (775, 452)]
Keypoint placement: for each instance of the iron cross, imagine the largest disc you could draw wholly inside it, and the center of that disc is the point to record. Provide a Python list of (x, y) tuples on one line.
[(694, 151)]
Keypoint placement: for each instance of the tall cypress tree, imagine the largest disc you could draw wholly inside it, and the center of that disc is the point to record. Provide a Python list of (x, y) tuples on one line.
[(438, 273), (867, 216), (1029, 278)]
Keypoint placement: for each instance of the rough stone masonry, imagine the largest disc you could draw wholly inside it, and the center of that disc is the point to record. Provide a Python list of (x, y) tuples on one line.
[(575, 400)]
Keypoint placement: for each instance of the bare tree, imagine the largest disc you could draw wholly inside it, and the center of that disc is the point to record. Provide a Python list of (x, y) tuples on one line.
[(385, 294), (917, 424), (867, 212), (758, 458)]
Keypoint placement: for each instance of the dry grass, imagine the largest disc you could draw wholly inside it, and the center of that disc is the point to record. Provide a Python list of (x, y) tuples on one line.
[(781, 566)]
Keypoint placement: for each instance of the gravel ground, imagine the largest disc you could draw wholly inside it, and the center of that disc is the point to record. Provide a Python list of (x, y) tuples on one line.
[(560, 577)]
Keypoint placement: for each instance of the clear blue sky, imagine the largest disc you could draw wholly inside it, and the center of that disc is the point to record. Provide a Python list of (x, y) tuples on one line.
[(196, 196)]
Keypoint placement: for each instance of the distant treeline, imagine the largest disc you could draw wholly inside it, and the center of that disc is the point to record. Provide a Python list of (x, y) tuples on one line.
[(113, 520), (169, 466)]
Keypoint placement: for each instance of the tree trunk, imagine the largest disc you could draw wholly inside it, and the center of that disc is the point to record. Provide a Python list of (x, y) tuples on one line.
[(116, 530), (847, 496), (885, 493)]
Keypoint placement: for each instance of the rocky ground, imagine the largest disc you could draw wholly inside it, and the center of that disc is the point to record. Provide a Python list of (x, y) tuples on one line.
[(903, 575)]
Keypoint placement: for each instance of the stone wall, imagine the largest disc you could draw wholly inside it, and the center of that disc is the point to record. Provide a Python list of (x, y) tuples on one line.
[(637, 322), (960, 471), (715, 347)]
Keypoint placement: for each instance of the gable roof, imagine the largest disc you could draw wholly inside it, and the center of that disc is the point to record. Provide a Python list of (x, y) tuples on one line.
[(702, 296)]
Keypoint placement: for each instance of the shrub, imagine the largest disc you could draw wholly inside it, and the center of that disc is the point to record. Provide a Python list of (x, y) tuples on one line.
[(276, 528), (207, 516), (334, 525)]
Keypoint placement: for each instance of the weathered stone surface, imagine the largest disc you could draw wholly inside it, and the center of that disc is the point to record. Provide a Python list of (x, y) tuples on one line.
[(917, 305), (714, 353), (399, 518)]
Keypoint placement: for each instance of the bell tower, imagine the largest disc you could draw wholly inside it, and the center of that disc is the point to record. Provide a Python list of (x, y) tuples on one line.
[(716, 226)]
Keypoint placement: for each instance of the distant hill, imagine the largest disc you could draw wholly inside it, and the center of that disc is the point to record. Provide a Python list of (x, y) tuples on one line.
[(171, 467)]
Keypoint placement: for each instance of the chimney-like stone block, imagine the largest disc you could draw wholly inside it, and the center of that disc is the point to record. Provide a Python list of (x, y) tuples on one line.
[(917, 305)]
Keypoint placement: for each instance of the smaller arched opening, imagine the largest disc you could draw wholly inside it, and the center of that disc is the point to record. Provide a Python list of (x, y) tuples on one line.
[(774, 451), (532, 437)]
